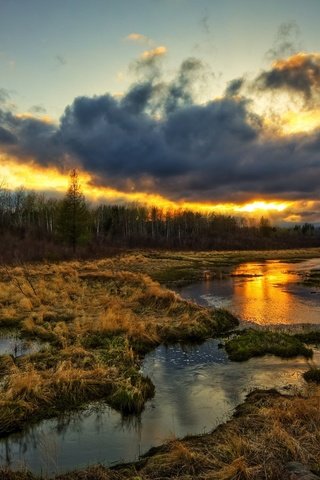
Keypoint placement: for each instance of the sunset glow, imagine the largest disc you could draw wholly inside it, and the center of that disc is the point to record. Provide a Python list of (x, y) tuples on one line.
[(223, 119), (300, 122), (14, 175)]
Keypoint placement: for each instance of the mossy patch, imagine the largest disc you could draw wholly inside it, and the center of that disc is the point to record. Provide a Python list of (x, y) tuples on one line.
[(256, 343)]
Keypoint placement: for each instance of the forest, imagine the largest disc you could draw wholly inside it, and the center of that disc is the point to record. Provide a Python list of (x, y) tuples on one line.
[(34, 226)]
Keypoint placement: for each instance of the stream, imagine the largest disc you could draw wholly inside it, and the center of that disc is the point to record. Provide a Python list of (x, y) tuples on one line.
[(197, 388)]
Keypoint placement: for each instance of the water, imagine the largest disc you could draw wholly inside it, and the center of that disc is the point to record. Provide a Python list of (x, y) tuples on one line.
[(11, 344), (196, 388), (264, 293)]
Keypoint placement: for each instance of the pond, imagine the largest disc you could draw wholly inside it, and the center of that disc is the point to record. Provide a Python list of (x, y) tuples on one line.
[(197, 388), (264, 293)]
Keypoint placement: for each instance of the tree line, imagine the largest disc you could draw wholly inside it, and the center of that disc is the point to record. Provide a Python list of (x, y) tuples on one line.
[(34, 226)]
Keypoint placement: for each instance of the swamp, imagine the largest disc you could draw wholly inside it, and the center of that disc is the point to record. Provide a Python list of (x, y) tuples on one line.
[(176, 352)]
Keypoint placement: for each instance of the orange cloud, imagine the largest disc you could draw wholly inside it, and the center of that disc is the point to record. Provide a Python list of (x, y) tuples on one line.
[(297, 61), (154, 52), (138, 38), (42, 118)]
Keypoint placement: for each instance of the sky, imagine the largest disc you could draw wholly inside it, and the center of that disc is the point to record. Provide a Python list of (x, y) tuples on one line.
[(198, 104)]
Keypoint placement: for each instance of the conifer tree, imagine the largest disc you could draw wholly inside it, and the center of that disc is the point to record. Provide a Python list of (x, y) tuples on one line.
[(73, 222)]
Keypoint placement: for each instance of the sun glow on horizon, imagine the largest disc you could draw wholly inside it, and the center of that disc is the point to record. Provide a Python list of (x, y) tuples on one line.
[(32, 177), (263, 206)]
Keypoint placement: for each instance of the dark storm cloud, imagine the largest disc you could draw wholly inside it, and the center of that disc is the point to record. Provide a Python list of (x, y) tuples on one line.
[(157, 97), (179, 92), (28, 137), (157, 139), (6, 137), (198, 152), (299, 73)]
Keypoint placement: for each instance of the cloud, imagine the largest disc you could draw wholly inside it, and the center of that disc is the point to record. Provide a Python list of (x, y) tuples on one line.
[(157, 139), (4, 95), (299, 73), (234, 87), (29, 138), (6, 137), (148, 65), (154, 52), (139, 38), (205, 24), (287, 41), (37, 109)]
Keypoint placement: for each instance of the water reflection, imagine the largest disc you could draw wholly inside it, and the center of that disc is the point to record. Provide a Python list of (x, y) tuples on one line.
[(264, 293), (12, 344), (196, 389)]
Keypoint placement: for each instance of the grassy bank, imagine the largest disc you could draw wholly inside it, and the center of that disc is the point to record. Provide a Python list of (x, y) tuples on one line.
[(97, 320), (256, 343), (268, 431)]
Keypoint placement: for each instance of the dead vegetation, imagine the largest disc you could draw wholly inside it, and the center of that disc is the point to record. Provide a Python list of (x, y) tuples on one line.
[(97, 320)]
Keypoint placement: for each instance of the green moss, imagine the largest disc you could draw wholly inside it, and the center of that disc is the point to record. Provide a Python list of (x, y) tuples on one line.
[(255, 343)]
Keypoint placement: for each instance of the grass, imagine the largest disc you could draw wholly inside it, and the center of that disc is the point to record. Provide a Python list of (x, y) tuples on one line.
[(255, 343), (266, 433), (99, 320), (180, 268)]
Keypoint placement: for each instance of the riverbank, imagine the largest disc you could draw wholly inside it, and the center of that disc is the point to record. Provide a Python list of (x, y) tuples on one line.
[(97, 324), (267, 432), (175, 269)]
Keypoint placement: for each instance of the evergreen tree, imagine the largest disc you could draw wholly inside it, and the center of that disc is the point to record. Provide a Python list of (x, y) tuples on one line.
[(74, 215)]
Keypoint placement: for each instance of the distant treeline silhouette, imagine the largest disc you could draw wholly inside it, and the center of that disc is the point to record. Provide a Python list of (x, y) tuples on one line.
[(35, 227)]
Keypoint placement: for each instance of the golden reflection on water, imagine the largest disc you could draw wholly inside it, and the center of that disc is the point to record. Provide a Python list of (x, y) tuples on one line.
[(262, 290)]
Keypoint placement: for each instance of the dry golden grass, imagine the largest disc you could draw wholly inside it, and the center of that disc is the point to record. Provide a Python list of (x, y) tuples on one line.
[(97, 319)]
